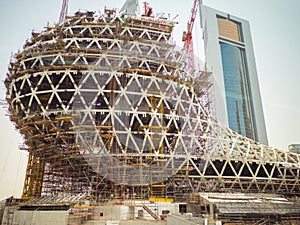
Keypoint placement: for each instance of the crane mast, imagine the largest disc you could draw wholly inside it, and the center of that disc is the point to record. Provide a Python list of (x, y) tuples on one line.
[(187, 37), (147, 9), (64, 11)]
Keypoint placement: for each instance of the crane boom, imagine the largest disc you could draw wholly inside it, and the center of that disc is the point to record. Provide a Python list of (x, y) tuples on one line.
[(187, 36), (64, 11)]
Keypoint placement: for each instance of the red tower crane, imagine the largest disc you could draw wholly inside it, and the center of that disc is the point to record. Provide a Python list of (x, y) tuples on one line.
[(187, 37), (147, 9), (63, 11)]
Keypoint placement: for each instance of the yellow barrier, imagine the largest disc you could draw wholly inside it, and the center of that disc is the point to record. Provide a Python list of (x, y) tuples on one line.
[(155, 199)]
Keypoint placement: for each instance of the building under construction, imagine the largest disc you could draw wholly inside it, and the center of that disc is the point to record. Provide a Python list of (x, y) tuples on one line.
[(112, 111)]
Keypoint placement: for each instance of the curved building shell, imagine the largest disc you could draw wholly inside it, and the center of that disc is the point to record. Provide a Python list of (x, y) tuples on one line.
[(107, 105)]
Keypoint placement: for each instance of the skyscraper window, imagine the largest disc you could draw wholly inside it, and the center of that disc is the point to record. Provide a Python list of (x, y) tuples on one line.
[(229, 29)]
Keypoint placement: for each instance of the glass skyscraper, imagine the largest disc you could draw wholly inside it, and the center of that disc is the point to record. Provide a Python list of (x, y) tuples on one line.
[(229, 55)]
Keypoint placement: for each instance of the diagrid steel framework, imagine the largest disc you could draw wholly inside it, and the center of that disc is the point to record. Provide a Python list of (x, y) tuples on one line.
[(108, 105)]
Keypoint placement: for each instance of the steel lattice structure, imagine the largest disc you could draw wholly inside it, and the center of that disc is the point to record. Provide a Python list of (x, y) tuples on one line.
[(107, 104)]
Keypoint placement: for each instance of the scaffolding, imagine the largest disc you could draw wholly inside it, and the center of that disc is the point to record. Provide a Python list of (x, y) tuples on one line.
[(237, 208), (109, 107)]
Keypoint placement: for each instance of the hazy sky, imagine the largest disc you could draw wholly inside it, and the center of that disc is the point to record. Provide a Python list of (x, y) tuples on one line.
[(275, 26)]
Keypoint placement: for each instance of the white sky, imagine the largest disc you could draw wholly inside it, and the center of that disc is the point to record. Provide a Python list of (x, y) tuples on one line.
[(275, 32)]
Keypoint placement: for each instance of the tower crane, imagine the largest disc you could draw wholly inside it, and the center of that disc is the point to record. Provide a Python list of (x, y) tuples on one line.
[(187, 37), (148, 10), (63, 11)]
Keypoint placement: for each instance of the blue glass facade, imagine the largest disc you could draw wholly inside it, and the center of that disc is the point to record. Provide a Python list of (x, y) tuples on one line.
[(236, 89), (229, 54)]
